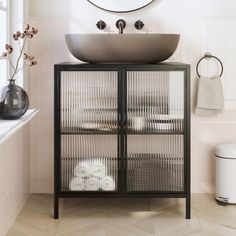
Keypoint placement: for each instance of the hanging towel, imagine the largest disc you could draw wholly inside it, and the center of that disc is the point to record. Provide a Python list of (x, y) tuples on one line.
[(210, 98), (77, 184)]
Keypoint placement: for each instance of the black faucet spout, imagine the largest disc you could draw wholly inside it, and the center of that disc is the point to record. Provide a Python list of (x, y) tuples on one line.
[(120, 25)]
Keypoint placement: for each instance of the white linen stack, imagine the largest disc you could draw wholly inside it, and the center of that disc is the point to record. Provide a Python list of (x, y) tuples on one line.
[(91, 176), (82, 170), (91, 184), (98, 169), (77, 184), (107, 183)]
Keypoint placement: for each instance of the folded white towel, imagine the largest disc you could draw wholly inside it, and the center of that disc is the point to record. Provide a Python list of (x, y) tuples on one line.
[(210, 99), (98, 169), (77, 184), (82, 170), (107, 183), (92, 184)]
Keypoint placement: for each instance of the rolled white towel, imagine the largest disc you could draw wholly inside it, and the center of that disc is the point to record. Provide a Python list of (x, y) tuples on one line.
[(98, 169), (92, 184), (77, 184), (82, 170), (107, 183)]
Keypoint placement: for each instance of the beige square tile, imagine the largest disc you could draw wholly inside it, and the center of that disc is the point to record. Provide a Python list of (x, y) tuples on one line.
[(212, 229), (41, 202), (15, 232), (88, 230), (115, 229), (42, 223), (142, 222), (173, 222), (206, 209), (78, 222)]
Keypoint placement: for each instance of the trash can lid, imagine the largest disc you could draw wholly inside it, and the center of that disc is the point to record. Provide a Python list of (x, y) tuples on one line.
[(226, 151)]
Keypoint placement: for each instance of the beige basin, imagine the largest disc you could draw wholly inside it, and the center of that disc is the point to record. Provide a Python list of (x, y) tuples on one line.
[(122, 48)]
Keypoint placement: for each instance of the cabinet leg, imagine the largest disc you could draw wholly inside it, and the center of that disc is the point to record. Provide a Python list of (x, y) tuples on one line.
[(188, 207), (56, 207)]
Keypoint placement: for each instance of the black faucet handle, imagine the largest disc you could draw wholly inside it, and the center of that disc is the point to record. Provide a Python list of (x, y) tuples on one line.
[(139, 25), (101, 25)]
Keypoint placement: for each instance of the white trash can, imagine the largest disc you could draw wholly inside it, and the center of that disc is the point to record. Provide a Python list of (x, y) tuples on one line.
[(226, 173)]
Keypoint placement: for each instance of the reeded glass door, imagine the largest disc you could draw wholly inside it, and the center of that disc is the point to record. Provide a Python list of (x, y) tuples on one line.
[(89, 131), (154, 131)]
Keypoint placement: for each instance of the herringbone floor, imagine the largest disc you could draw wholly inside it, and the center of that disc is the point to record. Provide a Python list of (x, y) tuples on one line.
[(125, 217)]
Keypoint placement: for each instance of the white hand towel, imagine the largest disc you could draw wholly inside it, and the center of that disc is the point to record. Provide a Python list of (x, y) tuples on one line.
[(77, 184), (210, 98), (98, 169), (107, 183), (82, 170), (92, 184)]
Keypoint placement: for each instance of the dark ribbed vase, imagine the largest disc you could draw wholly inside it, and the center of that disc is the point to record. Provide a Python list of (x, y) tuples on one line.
[(14, 102)]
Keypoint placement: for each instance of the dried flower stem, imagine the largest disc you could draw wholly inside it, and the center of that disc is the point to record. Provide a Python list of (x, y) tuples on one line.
[(28, 33), (19, 45), (21, 69), (10, 62), (18, 59)]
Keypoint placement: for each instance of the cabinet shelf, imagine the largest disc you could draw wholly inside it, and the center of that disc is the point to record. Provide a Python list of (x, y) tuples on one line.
[(76, 129), (89, 133), (73, 131), (141, 167), (159, 132)]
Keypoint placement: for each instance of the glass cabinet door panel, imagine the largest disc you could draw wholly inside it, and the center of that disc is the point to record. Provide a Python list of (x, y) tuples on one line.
[(89, 101), (155, 101), (155, 163), (89, 163)]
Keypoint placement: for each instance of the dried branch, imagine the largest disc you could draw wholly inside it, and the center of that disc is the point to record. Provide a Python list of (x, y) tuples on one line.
[(18, 59), (21, 68), (10, 62), (19, 45), (28, 33)]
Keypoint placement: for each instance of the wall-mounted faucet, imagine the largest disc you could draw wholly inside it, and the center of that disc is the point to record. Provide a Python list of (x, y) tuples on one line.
[(101, 25), (120, 24), (139, 25)]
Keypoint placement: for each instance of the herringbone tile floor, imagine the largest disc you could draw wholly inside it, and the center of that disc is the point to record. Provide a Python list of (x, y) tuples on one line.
[(125, 217)]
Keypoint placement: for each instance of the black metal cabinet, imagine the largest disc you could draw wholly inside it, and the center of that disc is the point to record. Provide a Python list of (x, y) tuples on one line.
[(122, 130)]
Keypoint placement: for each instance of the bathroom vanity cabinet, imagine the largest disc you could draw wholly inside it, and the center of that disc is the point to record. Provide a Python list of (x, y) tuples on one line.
[(122, 130)]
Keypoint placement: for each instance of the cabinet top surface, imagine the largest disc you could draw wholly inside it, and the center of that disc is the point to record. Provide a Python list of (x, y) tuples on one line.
[(89, 65)]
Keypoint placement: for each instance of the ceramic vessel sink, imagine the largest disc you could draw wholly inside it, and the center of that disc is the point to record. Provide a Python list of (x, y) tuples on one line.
[(122, 48)]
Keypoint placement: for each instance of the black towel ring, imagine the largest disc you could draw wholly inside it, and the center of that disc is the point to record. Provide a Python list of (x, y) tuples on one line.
[(209, 56)]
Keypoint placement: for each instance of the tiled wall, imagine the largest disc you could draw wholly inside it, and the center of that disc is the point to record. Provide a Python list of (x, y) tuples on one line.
[(197, 37), (14, 176)]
